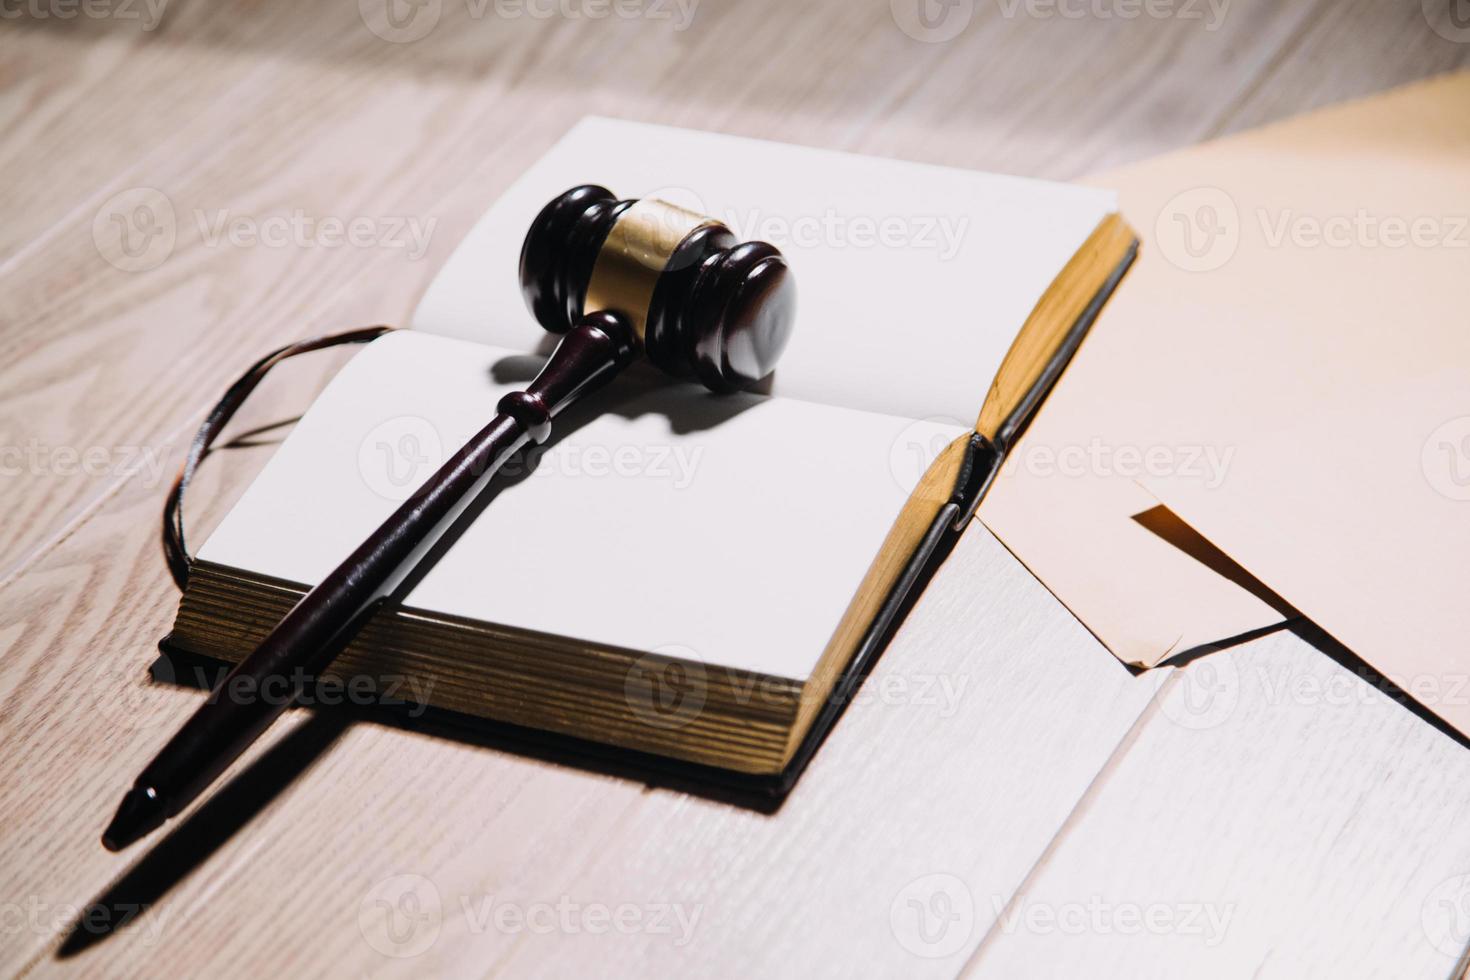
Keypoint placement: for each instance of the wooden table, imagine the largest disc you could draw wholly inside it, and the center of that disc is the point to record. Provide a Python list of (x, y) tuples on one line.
[(1265, 811)]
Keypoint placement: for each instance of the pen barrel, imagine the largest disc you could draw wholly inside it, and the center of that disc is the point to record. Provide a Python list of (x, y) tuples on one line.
[(316, 629), (324, 621)]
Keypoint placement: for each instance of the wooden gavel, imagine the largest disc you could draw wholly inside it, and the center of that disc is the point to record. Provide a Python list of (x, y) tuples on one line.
[(617, 277), (680, 285)]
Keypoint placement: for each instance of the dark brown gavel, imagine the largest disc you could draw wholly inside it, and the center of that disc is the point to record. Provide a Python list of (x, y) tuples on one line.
[(616, 277)]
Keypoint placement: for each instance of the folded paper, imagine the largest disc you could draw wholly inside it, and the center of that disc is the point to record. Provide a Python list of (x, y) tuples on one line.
[(1285, 273)]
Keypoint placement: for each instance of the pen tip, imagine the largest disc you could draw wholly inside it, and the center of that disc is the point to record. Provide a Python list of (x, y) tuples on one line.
[(140, 813)]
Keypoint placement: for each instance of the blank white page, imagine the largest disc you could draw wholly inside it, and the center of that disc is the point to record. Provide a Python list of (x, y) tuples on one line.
[(912, 279), (729, 530)]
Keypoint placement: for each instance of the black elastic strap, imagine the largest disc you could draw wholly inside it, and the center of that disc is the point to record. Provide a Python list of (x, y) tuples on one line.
[(174, 552)]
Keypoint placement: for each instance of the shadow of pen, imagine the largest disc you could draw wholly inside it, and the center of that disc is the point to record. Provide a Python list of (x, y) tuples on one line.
[(231, 807)]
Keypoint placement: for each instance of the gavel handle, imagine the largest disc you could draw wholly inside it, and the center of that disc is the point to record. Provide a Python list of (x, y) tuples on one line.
[(316, 629)]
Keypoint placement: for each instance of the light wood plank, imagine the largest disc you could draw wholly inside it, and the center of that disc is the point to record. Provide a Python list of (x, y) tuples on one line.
[(84, 100), (1278, 816), (1352, 50)]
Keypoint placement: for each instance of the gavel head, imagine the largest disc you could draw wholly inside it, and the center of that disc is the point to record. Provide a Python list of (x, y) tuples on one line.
[(696, 299)]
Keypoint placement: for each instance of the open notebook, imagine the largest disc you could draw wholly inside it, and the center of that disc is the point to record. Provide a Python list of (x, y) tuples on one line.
[(684, 574)]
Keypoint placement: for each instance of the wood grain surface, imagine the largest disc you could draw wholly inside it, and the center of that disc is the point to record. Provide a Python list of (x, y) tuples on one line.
[(1006, 800)]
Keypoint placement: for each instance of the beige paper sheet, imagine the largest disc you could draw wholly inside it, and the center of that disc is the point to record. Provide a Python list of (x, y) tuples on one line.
[(1361, 513), (1284, 272)]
